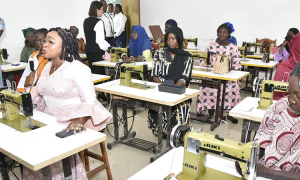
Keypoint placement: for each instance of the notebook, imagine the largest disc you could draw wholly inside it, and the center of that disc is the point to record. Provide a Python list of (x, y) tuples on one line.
[(156, 31)]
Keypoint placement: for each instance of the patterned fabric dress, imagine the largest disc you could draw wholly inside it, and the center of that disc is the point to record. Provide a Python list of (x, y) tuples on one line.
[(67, 94), (208, 96), (279, 135), (166, 68)]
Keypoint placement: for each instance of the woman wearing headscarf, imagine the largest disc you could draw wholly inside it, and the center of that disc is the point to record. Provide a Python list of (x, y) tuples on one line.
[(81, 44), (29, 47), (140, 45), (172, 65), (231, 39), (283, 50), (208, 96), (285, 68)]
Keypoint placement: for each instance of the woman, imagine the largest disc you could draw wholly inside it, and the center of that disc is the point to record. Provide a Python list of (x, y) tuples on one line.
[(208, 97), (81, 44), (231, 39), (278, 135), (68, 95), (140, 45), (284, 69), (172, 65), (119, 27), (111, 10), (95, 37), (283, 50), (29, 47), (37, 59)]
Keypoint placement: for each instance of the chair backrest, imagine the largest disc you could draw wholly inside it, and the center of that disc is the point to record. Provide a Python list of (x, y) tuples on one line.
[(268, 44)]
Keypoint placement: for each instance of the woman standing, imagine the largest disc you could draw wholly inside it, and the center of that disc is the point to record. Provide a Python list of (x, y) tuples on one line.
[(119, 27), (67, 95), (208, 96), (140, 45), (283, 50), (36, 60), (95, 37), (29, 47), (172, 65)]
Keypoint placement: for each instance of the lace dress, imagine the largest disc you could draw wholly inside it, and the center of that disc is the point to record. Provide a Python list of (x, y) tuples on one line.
[(66, 94)]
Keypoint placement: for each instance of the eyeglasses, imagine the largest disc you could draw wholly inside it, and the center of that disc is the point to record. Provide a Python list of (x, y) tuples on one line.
[(41, 41)]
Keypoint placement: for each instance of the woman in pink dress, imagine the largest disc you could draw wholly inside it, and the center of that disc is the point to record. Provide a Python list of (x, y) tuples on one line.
[(208, 96), (66, 91), (285, 68)]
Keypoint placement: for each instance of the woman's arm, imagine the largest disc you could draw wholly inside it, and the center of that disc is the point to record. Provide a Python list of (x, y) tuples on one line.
[(23, 56), (156, 67), (262, 171), (236, 63), (186, 73), (100, 36), (147, 56)]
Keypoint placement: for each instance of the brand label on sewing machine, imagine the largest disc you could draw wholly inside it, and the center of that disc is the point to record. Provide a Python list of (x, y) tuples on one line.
[(267, 98), (190, 166), (212, 146)]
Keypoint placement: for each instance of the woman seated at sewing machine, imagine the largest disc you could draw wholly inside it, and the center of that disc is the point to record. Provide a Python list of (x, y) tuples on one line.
[(278, 135), (37, 59), (208, 96), (140, 46), (283, 50), (172, 65), (66, 91)]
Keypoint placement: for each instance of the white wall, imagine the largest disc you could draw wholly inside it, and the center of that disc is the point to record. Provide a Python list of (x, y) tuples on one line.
[(20, 14), (200, 18)]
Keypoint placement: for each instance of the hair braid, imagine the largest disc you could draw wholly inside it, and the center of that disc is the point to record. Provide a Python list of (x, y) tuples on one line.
[(70, 49)]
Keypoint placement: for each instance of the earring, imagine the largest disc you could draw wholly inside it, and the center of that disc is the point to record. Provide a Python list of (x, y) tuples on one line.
[(293, 102)]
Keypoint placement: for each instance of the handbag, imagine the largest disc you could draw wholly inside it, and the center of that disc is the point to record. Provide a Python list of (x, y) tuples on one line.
[(223, 64), (30, 78)]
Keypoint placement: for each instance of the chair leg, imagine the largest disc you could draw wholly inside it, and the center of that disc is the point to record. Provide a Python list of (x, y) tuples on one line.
[(105, 160), (86, 160), (81, 155)]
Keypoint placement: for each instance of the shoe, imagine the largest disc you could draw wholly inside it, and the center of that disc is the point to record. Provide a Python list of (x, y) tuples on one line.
[(232, 119)]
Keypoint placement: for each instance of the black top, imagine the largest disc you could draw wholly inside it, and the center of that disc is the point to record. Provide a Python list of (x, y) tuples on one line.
[(90, 35), (164, 67)]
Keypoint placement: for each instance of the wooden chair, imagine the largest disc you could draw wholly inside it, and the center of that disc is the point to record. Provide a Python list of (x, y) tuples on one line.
[(267, 48), (84, 156)]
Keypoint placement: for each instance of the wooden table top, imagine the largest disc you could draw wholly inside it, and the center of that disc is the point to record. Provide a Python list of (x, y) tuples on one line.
[(39, 148), (257, 56), (258, 63), (230, 76), (112, 64), (247, 109), (10, 67), (99, 78), (150, 95)]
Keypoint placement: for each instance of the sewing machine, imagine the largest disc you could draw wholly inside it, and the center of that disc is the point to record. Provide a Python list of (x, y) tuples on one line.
[(267, 88), (205, 56), (4, 54), (249, 44), (245, 49), (13, 102), (196, 146), (115, 51), (195, 40), (126, 71)]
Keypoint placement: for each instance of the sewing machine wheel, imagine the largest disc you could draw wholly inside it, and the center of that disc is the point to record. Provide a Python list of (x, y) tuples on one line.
[(256, 80), (177, 135)]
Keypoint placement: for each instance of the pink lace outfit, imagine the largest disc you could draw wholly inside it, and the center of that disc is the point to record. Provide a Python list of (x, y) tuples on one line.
[(66, 94), (208, 96)]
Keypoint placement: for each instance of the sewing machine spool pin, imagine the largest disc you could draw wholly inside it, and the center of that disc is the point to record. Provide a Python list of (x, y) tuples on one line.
[(217, 135)]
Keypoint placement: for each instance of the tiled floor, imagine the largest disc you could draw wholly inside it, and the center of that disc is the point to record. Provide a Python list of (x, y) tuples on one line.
[(126, 161)]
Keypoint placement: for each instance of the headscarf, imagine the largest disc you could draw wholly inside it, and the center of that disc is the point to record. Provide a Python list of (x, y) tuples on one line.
[(28, 31), (177, 32), (226, 26), (287, 47), (231, 26), (294, 56), (74, 28), (172, 22), (137, 46)]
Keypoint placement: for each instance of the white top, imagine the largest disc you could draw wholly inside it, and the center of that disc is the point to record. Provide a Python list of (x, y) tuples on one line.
[(100, 36), (247, 109), (257, 63), (119, 23), (112, 15), (172, 162), (27, 71), (39, 148), (108, 24), (2, 24)]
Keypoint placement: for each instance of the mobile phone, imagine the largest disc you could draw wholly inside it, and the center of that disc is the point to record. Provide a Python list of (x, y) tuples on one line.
[(64, 133), (15, 64)]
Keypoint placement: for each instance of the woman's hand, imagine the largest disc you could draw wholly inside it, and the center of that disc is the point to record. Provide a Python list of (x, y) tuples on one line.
[(77, 123)]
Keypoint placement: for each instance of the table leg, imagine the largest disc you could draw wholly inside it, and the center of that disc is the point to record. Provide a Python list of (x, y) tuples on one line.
[(116, 125), (160, 132), (3, 167), (217, 113), (124, 118), (169, 113), (271, 73)]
